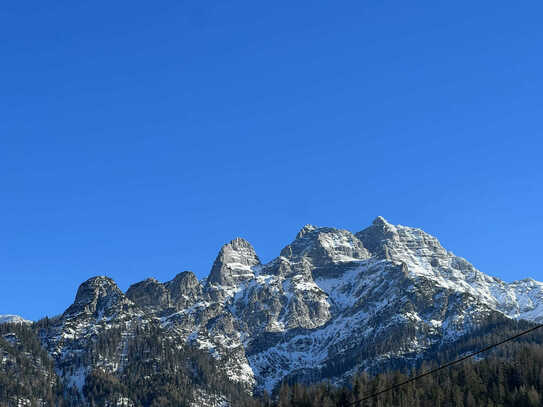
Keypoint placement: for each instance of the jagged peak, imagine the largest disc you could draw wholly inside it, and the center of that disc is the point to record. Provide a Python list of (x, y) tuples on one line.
[(306, 229), (380, 221), (374, 236), (147, 282), (161, 296), (378, 224), (96, 293), (233, 263), (185, 275), (99, 280), (149, 292), (238, 249), (397, 241), (238, 244), (325, 244), (182, 281), (98, 284), (183, 287), (150, 281)]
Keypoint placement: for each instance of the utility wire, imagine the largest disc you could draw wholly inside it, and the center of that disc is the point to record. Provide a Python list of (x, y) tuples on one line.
[(446, 365)]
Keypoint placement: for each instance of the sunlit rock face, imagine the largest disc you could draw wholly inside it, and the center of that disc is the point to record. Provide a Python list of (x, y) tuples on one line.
[(234, 265)]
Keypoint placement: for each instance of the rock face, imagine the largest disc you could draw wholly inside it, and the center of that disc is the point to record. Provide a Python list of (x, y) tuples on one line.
[(184, 290), (178, 294), (98, 297), (234, 264), (332, 303)]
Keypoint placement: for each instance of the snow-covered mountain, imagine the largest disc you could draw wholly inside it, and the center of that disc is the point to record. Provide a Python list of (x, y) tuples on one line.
[(332, 303), (9, 318)]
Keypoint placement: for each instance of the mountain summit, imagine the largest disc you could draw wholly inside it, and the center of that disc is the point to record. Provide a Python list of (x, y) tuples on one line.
[(234, 264)]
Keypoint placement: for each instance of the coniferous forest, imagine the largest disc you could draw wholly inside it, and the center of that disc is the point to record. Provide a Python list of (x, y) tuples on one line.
[(164, 375)]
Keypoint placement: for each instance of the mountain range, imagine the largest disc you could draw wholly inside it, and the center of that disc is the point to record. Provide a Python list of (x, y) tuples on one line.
[(332, 304)]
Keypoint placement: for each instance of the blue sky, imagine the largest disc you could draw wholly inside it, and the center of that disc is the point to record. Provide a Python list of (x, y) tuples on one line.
[(138, 137)]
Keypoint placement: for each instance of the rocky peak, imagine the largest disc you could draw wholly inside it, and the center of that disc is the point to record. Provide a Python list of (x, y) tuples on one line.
[(325, 245), (320, 252), (97, 295), (382, 223), (149, 293), (375, 237), (183, 281), (240, 249), (234, 263), (184, 289), (96, 288), (178, 293), (306, 229), (400, 243)]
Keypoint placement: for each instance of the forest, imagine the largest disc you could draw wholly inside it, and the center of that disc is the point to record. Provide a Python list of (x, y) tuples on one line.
[(164, 375)]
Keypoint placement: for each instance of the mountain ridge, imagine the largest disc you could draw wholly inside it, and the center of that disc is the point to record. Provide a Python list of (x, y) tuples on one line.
[(331, 304)]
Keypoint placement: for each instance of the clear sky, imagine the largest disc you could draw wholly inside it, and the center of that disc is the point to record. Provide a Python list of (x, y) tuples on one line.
[(138, 137)]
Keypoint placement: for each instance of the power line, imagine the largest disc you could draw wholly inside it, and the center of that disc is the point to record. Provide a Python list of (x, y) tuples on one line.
[(446, 365)]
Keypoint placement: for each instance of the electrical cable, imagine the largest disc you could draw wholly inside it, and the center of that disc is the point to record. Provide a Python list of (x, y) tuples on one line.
[(446, 365)]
